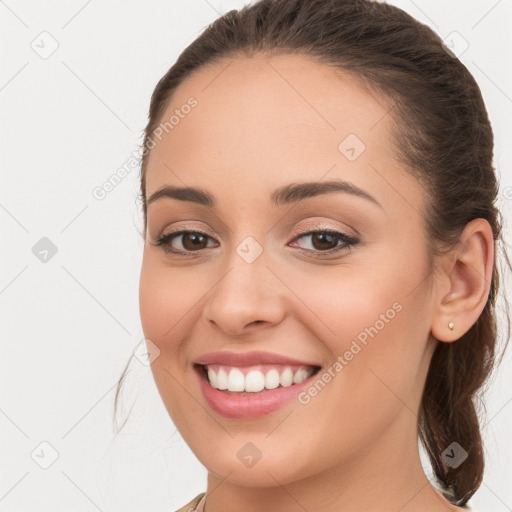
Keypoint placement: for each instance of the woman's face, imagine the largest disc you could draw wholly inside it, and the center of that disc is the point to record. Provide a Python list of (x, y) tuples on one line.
[(253, 276)]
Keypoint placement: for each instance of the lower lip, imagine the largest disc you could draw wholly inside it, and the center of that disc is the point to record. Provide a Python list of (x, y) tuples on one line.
[(251, 405)]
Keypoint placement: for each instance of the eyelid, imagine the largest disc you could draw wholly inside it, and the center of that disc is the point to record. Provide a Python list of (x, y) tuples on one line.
[(321, 224), (184, 226), (309, 226)]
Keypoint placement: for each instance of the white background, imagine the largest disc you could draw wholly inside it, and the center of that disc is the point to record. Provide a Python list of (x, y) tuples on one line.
[(69, 325)]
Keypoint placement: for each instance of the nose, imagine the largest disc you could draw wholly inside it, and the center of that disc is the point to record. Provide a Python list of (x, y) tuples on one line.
[(247, 295)]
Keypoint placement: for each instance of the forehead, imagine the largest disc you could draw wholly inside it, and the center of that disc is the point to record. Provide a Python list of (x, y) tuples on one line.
[(273, 120)]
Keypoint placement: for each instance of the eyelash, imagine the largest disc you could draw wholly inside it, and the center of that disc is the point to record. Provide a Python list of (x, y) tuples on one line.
[(165, 242)]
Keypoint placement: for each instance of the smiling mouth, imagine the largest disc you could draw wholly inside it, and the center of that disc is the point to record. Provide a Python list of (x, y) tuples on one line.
[(248, 380)]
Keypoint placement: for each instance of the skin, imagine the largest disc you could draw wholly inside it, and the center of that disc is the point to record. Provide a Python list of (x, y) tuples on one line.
[(262, 123)]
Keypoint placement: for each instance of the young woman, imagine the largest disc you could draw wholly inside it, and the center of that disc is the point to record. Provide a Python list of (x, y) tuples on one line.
[(319, 272)]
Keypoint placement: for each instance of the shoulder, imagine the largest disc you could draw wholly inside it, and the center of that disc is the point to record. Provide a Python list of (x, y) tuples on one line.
[(190, 507)]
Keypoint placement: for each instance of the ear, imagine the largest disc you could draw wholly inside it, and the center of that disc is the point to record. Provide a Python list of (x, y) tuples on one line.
[(463, 282)]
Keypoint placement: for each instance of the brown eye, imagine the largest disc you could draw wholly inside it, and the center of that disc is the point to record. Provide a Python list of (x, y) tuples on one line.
[(326, 241), (190, 241), (193, 241)]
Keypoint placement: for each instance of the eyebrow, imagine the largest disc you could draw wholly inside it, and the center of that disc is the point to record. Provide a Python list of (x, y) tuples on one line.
[(288, 194)]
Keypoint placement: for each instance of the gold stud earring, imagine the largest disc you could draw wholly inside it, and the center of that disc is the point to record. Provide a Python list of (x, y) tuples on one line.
[(450, 325)]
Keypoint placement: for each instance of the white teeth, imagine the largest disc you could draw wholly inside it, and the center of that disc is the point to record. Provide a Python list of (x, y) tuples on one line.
[(222, 379), (286, 378), (255, 380), (272, 379), (297, 376), (236, 380), (300, 375), (212, 377)]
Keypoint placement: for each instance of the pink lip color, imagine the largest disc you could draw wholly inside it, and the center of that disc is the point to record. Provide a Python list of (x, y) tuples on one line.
[(250, 405), (249, 359)]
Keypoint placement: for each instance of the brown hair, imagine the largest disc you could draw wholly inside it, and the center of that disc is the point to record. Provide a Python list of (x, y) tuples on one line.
[(442, 134)]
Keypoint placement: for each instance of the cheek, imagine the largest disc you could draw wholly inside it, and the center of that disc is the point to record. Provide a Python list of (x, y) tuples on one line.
[(166, 303), (375, 319), (372, 325), (168, 300), (341, 304)]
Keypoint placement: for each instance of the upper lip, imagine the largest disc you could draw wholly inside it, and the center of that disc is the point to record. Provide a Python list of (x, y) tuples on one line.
[(248, 359)]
